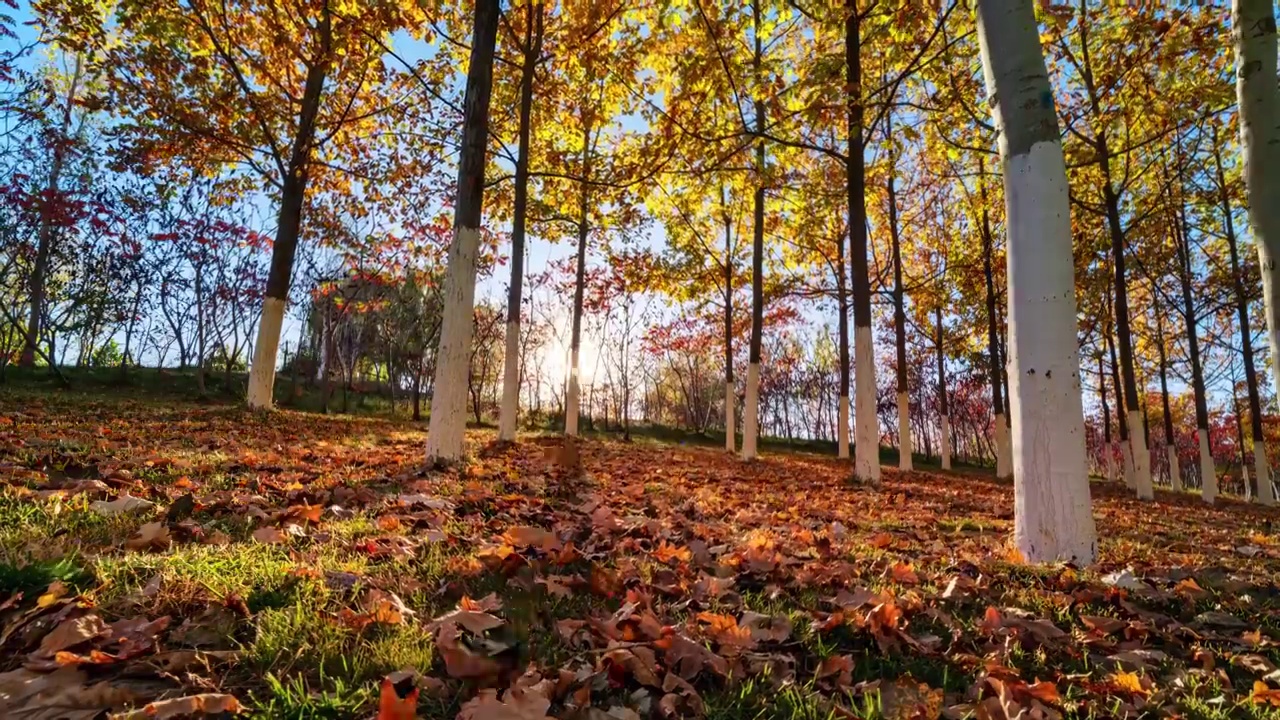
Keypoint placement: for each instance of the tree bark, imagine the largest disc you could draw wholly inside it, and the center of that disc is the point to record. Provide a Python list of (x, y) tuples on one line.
[(944, 449), (448, 403), (574, 391), (751, 411), (530, 51), (44, 236), (1261, 470), (1004, 453), (1052, 515), (262, 374), (1170, 441), (899, 312), (730, 395), (866, 446), (1254, 32)]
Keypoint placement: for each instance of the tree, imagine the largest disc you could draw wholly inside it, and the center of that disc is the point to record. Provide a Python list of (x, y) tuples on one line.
[(1053, 519), (448, 401), (1254, 30)]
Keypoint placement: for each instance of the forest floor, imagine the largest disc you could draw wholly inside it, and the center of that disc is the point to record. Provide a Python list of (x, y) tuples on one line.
[(203, 559)]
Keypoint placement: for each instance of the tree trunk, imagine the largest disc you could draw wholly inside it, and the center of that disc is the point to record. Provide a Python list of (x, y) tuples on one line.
[(1261, 470), (1004, 452), (453, 355), (1108, 450), (1182, 246), (531, 51), (730, 395), (866, 446), (1170, 441), (44, 237), (262, 374), (1052, 515), (751, 412), (899, 312), (944, 449), (1254, 31), (574, 391)]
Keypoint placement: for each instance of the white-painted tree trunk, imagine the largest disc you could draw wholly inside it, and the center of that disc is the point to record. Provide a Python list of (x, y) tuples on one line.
[(447, 428), (730, 438), (1261, 471), (1004, 449), (1126, 458), (842, 428), (1175, 473), (1053, 518), (1141, 457), (1244, 478), (1254, 31), (262, 376), (904, 432), (866, 426), (946, 443), (1208, 473), (572, 397), (751, 413), (508, 415)]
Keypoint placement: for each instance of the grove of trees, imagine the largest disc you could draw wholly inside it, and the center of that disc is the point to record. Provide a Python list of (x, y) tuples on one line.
[(1035, 236)]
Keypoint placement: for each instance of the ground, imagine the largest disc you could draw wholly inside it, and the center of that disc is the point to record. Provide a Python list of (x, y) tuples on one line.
[(201, 557)]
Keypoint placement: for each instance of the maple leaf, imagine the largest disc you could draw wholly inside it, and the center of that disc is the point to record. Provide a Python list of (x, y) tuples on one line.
[(270, 535), (461, 661), (1128, 682), (123, 504), (73, 632), (470, 616), (725, 631), (627, 662), (767, 628), (151, 536), (516, 703), (398, 697), (838, 667), (687, 658), (1263, 694), (905, 574), (203, 704), (906, 699), (385, 607)]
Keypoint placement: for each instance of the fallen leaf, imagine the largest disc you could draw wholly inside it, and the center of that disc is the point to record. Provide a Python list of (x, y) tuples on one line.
[(123, 504), (203, 704), (270, 535), (151, 536)]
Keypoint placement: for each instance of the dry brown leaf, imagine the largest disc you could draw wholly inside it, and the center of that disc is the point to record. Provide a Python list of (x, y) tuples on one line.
[(906, 699), (516, 704), (71, 633), (203, 704), (151, 536), (270, 535)]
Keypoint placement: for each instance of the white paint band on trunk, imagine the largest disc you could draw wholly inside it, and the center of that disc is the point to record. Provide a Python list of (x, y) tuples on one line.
[(1175, 473), (1141, 457), (751, 413), (945, 451), (866, 424), (508, 415), (447, 429), (262, 376), (1053, 518), (1262, 472), (842, 428), (729, 431), (904, 432), (572, 397)]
